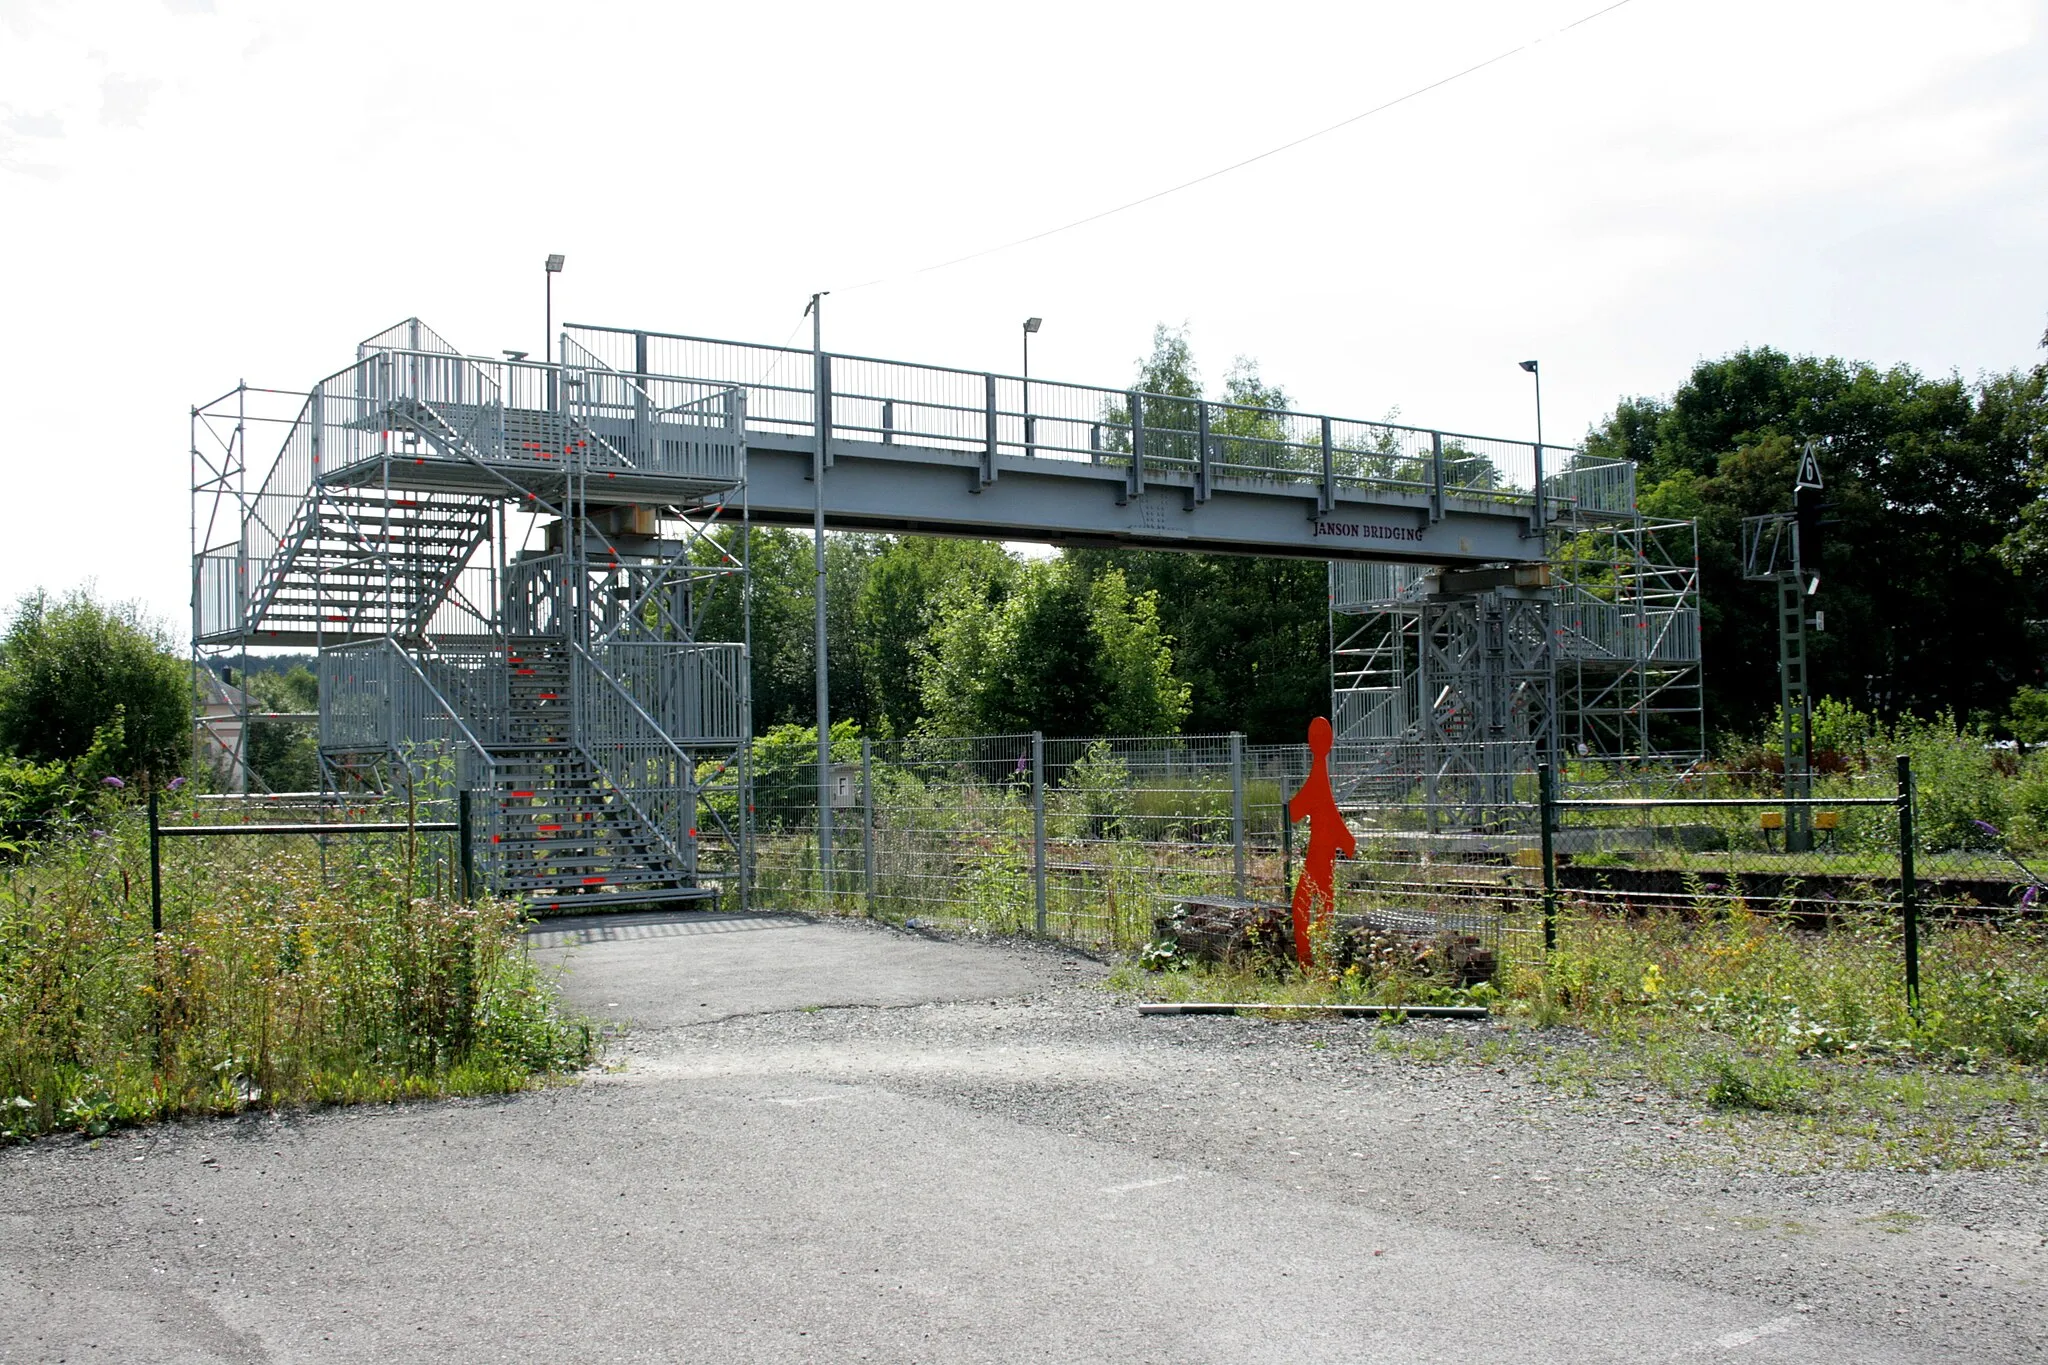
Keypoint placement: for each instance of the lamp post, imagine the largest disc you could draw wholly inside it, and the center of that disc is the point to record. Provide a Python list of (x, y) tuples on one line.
[(821, 428), (554, 268), (1031, 325), (1539, 516), (1532, 368)]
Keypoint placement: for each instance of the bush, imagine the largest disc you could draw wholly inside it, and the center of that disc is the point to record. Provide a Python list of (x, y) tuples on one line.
[(72, 668), (276, 981)]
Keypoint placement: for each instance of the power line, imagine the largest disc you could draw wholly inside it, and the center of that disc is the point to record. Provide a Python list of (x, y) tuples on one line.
[(1248, 161)]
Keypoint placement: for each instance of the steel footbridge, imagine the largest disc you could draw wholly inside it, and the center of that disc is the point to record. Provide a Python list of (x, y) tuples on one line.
[(508, 565)]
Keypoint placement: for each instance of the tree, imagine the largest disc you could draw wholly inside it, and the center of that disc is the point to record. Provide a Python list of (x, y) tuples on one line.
[(1925, 480), (284, 755), (898, 602), (1140, 694), (72, 669), (1250, 635), (2028, 718), (1053, 651), (2016, 407)]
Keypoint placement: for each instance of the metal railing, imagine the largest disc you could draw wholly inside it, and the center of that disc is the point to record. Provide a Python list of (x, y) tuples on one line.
[(652, 774), (1093, 840), (409, 406), (887, 402), (376, 697), (1843, 854)]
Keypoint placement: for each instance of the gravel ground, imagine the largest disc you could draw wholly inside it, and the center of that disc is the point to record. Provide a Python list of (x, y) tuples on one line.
[(964, 1144), (1956, 1261)]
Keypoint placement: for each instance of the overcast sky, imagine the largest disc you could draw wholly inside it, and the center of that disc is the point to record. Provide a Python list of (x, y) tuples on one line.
[(196, 193)]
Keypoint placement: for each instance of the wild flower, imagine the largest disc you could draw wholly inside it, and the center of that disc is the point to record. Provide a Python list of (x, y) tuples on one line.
[(114, 782)]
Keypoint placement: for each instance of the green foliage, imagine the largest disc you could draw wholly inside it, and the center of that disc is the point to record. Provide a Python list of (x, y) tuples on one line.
[(1056, 653), (1250, 636), (1965, 788), (275, 982), (785, 770), (284, 755), (71, 667), (2016, 407), (897, 605), (1742, 1083), (1093, 798), (1925, 481), (2027, 717)]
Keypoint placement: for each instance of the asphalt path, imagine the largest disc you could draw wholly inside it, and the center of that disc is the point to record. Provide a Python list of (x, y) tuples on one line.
[(822, 1142)]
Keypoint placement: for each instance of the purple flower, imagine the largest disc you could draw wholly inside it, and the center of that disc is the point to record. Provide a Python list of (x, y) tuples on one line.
[(112, 782), (99, 834), (175, 783), (2027, 901), (1988, 828)]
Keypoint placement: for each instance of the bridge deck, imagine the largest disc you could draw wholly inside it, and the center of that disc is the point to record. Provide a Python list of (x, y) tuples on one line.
[(920, 448)]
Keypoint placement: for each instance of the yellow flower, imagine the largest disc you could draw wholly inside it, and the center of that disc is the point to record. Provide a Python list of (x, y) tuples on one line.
[(1653, 980)]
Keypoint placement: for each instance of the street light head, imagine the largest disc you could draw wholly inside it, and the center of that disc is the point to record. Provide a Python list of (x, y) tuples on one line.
[(1529, 366), (1031, 324), (555, 263), (515, 356)]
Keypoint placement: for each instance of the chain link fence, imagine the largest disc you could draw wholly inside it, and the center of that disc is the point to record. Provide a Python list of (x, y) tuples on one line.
[(1091, 840)]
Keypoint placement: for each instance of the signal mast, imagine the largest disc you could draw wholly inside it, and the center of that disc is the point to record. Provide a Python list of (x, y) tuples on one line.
[(1784, 548)]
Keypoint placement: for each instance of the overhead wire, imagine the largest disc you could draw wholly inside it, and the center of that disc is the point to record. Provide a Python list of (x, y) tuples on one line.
[(1254, 159)]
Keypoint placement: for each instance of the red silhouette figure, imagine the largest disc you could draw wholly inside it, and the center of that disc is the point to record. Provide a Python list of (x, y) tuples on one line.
[(1315, 895)]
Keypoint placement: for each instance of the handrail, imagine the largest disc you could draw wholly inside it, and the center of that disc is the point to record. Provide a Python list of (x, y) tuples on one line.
[(454, 715), (630, 699), (686, 766), (1105, 391)]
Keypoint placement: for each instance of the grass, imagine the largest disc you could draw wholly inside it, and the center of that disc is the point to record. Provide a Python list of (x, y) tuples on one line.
[(1798, 1046), (281, 978)]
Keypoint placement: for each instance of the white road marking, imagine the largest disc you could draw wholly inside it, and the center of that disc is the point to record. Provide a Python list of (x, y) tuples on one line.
[(1732, 1340), (802, 1099), (1143, 1184)]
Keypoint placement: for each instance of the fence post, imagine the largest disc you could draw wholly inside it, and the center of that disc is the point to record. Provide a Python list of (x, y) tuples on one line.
[(465, 844), (1237, 811), (156, 873), (1038, 830), (1546, 814), (1909, 891), (1286, 851), (867, 819)]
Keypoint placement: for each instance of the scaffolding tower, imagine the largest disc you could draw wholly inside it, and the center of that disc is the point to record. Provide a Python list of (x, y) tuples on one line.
[(507, 569), (1450, 684)]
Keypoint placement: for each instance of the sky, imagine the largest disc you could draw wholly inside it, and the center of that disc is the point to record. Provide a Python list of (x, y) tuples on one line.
[(199, 192)]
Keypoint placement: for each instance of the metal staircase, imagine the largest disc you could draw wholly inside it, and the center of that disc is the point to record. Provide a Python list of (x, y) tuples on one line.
[(505, 568)]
